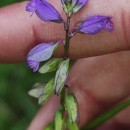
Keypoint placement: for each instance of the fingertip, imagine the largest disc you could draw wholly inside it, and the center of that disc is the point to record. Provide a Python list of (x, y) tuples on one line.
[(45, 114)]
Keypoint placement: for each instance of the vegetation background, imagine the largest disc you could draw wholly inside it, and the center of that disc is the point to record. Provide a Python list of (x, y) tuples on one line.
[(17, 108)]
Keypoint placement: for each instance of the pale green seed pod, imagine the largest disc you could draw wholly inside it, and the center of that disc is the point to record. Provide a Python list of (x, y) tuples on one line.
[(51, 65), (48, 91), (71, 106), (58, 120), (61, 76)]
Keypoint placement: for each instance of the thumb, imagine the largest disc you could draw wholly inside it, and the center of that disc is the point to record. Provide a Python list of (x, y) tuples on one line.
[(19, 33)]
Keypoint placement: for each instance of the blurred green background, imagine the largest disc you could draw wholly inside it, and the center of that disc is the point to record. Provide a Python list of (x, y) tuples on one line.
[(17, 109)]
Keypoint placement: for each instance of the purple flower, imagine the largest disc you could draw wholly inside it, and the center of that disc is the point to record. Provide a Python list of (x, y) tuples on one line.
[(73, 6), (95, 24), (44, 10), (41, 52)]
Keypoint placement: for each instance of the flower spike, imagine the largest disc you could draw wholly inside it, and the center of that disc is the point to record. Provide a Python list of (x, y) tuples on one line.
[(41, 52), (44, 10), (94, 25), (73, 6)]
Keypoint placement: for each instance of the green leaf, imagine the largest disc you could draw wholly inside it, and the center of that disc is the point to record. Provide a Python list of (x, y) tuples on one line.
[(71, 126), (71, 106), (61, 76), (51, 65), (48, 91), (106, 116), (58, 120)]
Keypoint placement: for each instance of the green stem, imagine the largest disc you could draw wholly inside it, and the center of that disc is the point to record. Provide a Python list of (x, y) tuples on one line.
[(63, 96), (66, 55), (67, 39)]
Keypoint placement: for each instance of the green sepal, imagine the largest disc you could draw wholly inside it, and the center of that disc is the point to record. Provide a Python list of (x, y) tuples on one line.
[(61, 76), (55, 46), (50, 65), (71, 106), (71, 126), (58, 119), (48, 91)]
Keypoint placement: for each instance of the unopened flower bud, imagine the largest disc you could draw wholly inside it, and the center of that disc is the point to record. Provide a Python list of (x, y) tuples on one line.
[(73, 6)]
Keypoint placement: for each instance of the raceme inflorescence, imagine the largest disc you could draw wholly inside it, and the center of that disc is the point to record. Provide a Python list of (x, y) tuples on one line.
[(66, 116)]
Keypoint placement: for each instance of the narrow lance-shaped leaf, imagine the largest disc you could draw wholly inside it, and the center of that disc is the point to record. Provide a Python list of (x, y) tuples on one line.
[(61, 76), (48, 91), (39, 53), (58, 119), (51, 65), (106, 116), (71, 106)]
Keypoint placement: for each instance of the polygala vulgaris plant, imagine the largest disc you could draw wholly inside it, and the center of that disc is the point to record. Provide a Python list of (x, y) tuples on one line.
[(66, 116)]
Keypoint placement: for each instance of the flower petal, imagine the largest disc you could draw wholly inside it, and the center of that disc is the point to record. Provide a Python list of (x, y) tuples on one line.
[(41, 52), (44, 10), (31, 7), (95, 24), (33, 65)]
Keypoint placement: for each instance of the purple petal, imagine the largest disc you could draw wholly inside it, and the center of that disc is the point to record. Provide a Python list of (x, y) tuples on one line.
[(31, 7), (33, 65), (95, 24), (44, 10), (41, 52)]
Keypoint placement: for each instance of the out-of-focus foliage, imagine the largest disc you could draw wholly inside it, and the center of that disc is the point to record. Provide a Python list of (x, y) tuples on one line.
[(6, 2), (17, 108)]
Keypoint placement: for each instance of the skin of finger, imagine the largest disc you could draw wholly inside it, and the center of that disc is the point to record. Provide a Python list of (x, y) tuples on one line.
[(45, 115), (100, 83), (94, 95), (19, 33)]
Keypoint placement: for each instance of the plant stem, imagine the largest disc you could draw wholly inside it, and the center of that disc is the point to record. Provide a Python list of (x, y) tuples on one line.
[(63, 96), (67, 38), (66, 55)]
